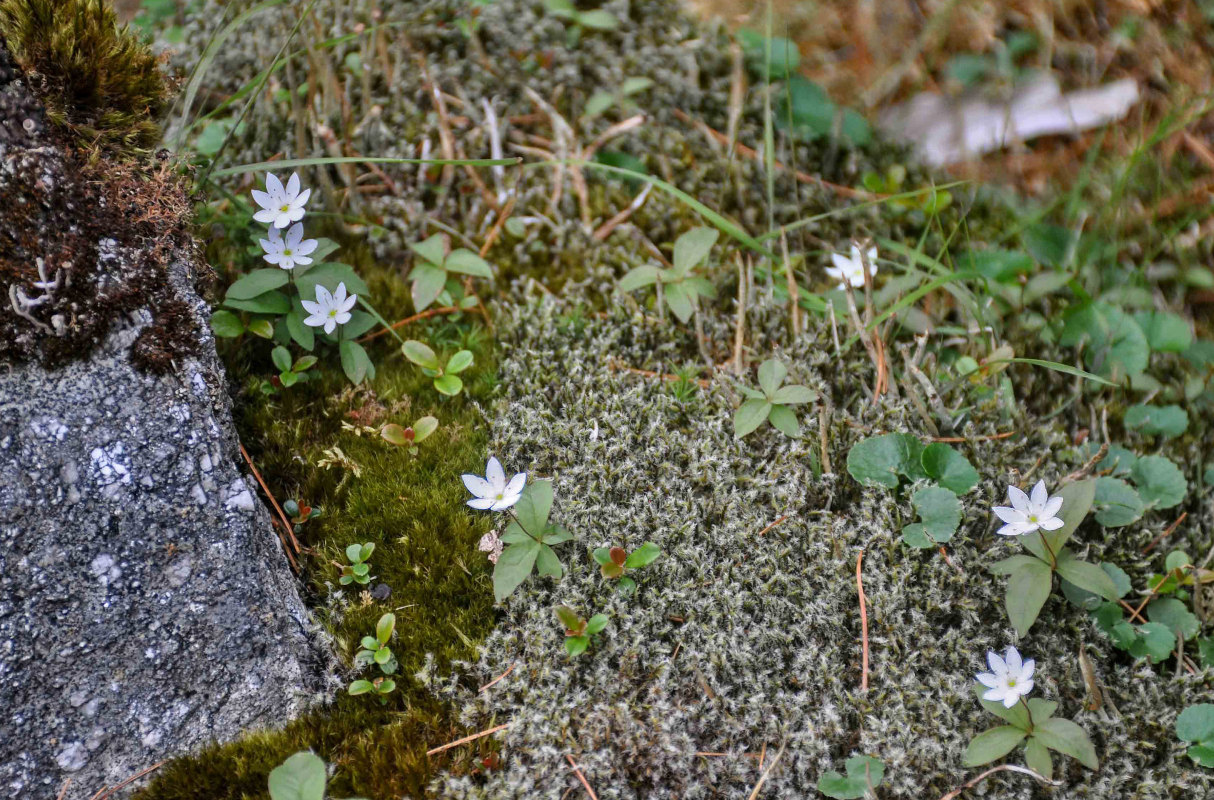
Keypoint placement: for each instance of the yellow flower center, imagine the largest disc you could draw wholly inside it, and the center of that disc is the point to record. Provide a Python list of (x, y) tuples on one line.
[(285, 207), (286, 252)]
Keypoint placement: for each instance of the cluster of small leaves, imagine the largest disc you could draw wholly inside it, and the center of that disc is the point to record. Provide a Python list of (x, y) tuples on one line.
[(267, 303), (1168, 619), (528, 541), (597, 19), (578, 631), (864, 775), (434, 270), (290, 372), (1157, 484), (615, 562), (358, 570), (445, 375), (771, 403), (680, 286), (892, 458), (375, 651), (1034, 724), (1031, 577), (1196, 724), (301, 777)]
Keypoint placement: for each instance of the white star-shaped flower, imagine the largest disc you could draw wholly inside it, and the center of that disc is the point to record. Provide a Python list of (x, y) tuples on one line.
[(492, 492), (1029, 512), (329, 310), (281, 205), (1010, 678), (851, 270), (289, 251)]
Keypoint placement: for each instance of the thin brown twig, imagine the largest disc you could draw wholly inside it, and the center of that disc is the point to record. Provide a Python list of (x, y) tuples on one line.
[(282, 515), (109, 790), (610, 225), (766, 773), (466, 739), (497, 226), (772, 525), (863, 623), (63, 792), (959, 439), (581, 777), (1166, 533), (1001, 768), (498, 678), (616, 366), (429, 312)]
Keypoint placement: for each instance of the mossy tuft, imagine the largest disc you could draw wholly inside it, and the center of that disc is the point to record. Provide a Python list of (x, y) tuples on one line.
[(97, 78)]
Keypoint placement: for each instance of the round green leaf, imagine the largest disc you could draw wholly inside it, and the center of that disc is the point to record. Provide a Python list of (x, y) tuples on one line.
[(226, 325), (1166, 332), (424, 427), (1171, 612), (880, 460), (302, 776), (420, 353), (771, 374), (1168, 421), (1116, 503), (1028, 587), (1196, 723), (949, 468), (940, 511), (693, 247), (643, 556), (281, 357), (785, 421), (1160, 482), (450, 385), (459, 362)]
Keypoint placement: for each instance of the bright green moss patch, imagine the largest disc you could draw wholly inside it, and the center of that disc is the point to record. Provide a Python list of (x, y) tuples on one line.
[(97, 79)]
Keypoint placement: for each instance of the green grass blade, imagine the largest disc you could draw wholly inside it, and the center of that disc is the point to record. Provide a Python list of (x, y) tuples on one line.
[(835, 212), (1057, 367), (266, 166)]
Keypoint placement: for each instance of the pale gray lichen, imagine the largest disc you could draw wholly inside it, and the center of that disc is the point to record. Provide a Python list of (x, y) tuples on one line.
[(736, 642)]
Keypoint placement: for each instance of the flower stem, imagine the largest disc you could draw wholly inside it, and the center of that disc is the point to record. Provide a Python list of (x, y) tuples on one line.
[(1025, 703), (1046, 543)]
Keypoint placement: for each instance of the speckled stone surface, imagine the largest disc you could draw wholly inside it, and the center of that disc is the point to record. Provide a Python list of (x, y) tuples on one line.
[(146, 607)]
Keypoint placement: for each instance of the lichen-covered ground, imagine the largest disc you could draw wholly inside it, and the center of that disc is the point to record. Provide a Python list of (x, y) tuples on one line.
[(743, 639)]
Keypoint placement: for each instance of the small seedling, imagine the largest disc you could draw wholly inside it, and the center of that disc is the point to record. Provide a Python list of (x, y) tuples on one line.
[(410, 437), (614, 562), (1032, 720), (300, 777), (578, 631), (289, 373), (602, 101), (772, 403), (679, 285), (434, 267), (446, 377), (864, 774), (375, 650), (596, 19), (300, 514), (358, 570)]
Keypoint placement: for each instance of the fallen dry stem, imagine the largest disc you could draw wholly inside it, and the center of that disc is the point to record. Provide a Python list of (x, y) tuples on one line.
[(581, 777), (863, 623), (466, 739), (1001, 768), (286, 522)]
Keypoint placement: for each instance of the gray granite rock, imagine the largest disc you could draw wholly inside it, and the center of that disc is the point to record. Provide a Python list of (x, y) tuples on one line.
[(146, 606)]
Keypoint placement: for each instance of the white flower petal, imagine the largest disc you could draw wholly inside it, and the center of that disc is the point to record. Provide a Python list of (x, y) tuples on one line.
[(1052, 507), (302, 200), (1051, 524), (506, 502), (495, 475), (312, 308), (995, 695), (987, 679), (266, 216), (293, 185), (1011, 699), (323, 298), (1024, 686), (1013, 661), (1009, 514), (273, 186), (841, 262), (998, 665), (1019, 500), (1039, 495), (1016, 529), (348, 303), (330, 325), (481, 503), (476, 484), (515, 486), (263, 199), (342, 317), (306, 247), (1026, 671), (316, 320)]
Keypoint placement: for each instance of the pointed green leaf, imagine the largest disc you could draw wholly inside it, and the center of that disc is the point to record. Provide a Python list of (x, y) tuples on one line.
[(576, 645), (257, 282), (226, 325), (428, 282), (569, 618), (749, 416), (1087, 576), (678, 299), (784, 420), (430, 250), (794, 394), (303, 335), (992, 744), (1028, 587), (459, 362), (693, 247), (513, 567), (643, 556), (771, 375), (384, 628), (534, 506), (272, 302), (546, 562), (940, 511), (1067, 738), (423, 428), (421, 354), (1037, 758), (638, 278), (354, 361), (596, 624), (1076, 502), (467, 262)]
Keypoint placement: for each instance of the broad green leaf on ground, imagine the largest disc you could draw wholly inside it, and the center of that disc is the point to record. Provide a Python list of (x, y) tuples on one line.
[(1077, 500), (300, 777), (882, 459), (1086, 576), (259, 281), (1160, 482), (534, 506), (1064, 736), (1196, 723), (949, 468), (1167, 421), (1028, 587), (940, 511), (992, 744), (1175, 615), (1037, 758), (1116, 503), (749, 416), (1154, 640), (1166, 332), (863, 774), (513, 566)]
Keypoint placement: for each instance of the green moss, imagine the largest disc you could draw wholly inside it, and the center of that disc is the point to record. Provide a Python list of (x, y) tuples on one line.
[(413, 509), (97, 79)]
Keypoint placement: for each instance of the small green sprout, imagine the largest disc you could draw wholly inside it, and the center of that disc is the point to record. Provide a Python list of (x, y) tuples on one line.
[(409, 437), (614, 562), (375, 650), (289, 372), (434, 267), (864, 774), (596, 19), (358, 570), (679, 285), (446, 378), (578, 631), (602, 101), (772, 403)]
